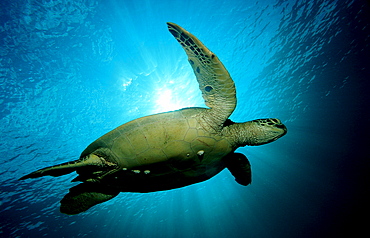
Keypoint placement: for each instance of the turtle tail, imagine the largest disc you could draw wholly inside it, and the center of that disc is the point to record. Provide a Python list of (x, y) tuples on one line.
[(64, 168)]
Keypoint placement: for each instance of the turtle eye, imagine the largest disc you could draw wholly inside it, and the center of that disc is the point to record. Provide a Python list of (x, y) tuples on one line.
[(281, 126)]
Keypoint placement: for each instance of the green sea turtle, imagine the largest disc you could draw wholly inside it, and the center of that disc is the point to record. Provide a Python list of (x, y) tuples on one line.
[(169, 150)]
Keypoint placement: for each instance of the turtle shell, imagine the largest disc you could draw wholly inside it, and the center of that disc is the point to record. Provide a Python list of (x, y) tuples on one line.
[(172, 144)]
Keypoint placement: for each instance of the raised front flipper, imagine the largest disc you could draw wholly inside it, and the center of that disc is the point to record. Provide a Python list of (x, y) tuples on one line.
[(85, 195), (218, 89), (240, 168)]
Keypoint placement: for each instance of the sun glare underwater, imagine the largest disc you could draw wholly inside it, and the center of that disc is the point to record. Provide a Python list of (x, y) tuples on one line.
[(71, 71)]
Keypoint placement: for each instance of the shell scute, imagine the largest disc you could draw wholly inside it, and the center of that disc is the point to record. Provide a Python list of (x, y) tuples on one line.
[(154, 134), (203, 143), (176, 129), (150, 156), (126, 149), (138, 140), (192, 122), (191, 134), (177, 150)]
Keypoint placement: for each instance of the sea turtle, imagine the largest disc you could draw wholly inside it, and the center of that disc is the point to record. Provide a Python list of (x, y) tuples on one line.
[(169, 150)]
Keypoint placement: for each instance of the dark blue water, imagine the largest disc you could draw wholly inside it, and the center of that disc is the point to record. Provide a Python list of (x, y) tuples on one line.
[(71, 71)]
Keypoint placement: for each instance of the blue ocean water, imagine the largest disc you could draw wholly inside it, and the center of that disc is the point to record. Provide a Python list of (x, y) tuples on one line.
[(71, 71)]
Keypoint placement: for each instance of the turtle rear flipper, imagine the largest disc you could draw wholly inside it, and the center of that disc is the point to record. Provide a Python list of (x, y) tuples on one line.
[(66, 168), (56, 170), (85, 195), (240, 168)]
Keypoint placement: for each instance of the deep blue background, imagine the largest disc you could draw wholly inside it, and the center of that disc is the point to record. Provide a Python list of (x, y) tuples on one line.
[(71, 71)]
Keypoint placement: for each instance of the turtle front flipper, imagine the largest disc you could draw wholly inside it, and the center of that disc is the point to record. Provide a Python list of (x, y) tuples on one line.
[(85, 195), (218, 89), (240, 168)]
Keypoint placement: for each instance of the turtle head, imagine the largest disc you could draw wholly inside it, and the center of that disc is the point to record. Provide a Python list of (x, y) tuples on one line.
[(258, 132)]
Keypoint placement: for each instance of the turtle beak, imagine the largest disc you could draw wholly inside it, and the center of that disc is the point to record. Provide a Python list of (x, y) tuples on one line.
[(283, 127), (282, 130)]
